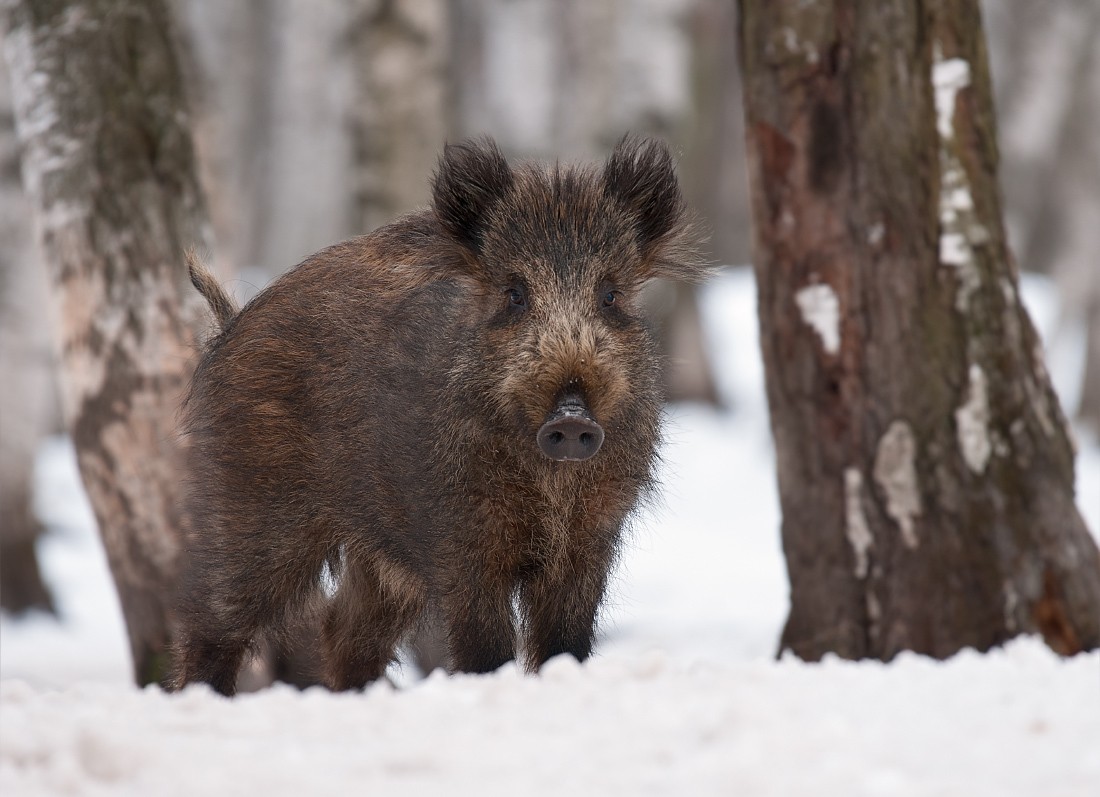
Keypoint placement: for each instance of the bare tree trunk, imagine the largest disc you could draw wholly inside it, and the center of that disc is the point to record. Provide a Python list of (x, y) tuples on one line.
[(925, 473), (108, 163), (28, 405)]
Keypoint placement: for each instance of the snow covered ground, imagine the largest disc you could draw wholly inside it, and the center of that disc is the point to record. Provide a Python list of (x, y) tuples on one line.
[(684, 696)]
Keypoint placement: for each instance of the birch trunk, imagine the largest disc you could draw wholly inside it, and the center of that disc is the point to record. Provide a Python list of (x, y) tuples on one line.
[(399, 124), (109, 166), (925, 473), (28, 406)]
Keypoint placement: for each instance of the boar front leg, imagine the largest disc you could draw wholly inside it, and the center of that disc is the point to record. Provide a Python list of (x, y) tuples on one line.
[(560, 603), (480, 623)]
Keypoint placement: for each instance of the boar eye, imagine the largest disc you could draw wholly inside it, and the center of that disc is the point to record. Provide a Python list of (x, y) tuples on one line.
[(517, 300), (610, 299)]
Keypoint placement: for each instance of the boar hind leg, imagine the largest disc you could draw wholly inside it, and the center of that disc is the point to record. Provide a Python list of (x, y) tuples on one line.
[(373, 607), (215, 661), (232, 596)]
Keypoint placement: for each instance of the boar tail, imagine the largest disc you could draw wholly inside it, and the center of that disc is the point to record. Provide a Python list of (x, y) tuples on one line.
[(224, 308)]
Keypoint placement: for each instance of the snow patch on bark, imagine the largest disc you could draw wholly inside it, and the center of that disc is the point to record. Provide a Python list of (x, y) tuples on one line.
[(960, 230), (859, 533), (972, 422), (821, 310), (896, 473)]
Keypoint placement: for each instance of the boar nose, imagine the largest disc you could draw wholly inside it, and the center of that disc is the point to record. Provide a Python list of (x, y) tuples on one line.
[(570, 434)]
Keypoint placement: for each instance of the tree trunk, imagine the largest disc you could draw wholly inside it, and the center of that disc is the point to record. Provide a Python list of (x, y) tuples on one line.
[(108, 163), (28, 406), (230, 78), (925, 473)]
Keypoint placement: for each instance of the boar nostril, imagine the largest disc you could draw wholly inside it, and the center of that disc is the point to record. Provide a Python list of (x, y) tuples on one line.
[(570, 437)]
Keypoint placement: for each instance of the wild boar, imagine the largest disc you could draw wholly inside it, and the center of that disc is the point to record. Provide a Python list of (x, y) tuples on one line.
[(459, 411)]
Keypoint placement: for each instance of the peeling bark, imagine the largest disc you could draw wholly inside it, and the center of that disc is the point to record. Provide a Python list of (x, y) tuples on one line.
[(109, 166), (925, 472)]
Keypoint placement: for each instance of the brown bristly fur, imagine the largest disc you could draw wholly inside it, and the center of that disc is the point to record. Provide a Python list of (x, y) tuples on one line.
[(376, 410)]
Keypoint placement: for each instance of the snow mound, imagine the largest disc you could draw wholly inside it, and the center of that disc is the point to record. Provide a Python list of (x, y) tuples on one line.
[(1018, 721)]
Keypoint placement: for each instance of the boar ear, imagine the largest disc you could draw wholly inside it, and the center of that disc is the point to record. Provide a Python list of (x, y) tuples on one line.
[(641, 177), (470, 179)]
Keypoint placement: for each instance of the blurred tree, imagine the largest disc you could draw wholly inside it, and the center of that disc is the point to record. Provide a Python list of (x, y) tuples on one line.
[(713, 133), (108, 164), (1089, 408), (273, 83), (925, 473), (228, 61), (1045, 59), (399, 114), (28, 405)]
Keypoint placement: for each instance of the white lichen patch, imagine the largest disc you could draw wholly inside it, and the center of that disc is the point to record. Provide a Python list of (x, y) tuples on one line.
[(795, 47), (949, 75), (876, 233), (820, 309), (954, 250), (896, 475), (960, 230), (972, 422), (855, 526)]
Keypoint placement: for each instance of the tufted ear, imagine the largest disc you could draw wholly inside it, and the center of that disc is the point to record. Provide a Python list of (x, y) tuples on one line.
[(641, 177), (470, 179)]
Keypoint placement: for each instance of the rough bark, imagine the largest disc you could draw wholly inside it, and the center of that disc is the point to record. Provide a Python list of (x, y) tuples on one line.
[(108, 163), (925, 473), (28, 406)]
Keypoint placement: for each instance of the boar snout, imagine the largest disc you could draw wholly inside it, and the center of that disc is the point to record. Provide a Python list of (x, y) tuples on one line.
[(570, 433)]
